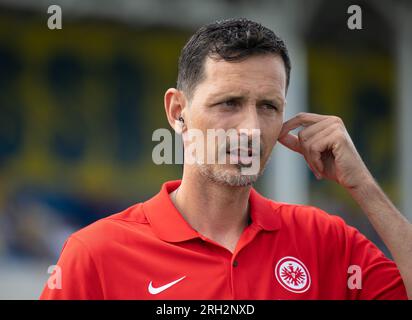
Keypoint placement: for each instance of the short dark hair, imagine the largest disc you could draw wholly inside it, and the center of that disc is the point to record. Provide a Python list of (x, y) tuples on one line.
[(231, 40)]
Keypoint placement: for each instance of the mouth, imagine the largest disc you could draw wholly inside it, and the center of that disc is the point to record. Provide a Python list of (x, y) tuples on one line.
[(241, 156)]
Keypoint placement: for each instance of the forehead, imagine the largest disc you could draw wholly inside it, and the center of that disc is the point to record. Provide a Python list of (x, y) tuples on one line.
[(260, 73)]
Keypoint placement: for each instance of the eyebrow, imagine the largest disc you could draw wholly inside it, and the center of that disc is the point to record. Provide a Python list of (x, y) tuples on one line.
[(240, 97)]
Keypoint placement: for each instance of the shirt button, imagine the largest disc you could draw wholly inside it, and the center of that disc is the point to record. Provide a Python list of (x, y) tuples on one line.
[(235, 263)]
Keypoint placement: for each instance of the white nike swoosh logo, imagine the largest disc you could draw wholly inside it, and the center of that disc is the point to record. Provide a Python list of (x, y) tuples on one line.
[(154, 290)]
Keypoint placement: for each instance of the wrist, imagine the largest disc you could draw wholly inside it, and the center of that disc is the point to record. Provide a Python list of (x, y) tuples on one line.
[(365, 188)]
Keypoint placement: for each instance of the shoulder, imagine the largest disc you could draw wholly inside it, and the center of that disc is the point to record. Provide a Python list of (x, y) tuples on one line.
[(118, 227), (305, 213), (311, 220)]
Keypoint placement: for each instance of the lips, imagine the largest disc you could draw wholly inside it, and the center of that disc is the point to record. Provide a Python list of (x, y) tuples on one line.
[(241, 156), (243, 152)]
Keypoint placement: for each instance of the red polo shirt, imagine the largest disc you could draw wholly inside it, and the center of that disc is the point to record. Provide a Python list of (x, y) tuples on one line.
[(288, 251)]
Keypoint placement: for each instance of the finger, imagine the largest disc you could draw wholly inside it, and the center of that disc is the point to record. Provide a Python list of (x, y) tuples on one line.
[(314, 171), (292, 142), (319, 143), (301, 120), (310, 131)]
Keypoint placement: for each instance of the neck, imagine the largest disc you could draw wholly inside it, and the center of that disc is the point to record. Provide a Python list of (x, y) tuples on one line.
[(217, 211)]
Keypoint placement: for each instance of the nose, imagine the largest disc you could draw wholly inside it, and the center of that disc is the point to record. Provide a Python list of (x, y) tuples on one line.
[(250, 119), (249, 129)]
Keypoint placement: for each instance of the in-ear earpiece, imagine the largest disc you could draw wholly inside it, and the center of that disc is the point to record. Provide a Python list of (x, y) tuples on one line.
[(181, 119)]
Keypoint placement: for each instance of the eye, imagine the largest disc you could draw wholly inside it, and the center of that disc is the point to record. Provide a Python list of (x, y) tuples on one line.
[(230, 103), (269, 106)]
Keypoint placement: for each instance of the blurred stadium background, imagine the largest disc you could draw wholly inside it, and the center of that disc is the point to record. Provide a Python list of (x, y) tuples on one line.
[(78, 107)]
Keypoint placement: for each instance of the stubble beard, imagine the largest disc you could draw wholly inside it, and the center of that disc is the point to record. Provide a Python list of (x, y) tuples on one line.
[(232, 177)]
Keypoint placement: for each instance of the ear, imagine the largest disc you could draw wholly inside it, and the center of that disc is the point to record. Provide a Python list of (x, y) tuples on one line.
[(175, 103)]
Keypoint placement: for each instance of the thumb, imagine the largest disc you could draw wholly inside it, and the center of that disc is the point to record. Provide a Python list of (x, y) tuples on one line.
[(291, 142)]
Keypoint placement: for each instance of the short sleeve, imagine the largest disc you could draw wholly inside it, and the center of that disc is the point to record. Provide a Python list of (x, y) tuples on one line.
[(380, 277), (79, 275)]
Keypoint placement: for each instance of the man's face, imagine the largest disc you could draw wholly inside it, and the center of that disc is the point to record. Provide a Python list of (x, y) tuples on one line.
[(247, 94)]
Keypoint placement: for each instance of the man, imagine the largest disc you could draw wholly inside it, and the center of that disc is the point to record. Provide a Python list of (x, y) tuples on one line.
[(211, 235)]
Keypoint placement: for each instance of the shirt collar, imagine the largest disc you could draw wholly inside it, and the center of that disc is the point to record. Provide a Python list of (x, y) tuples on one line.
[(169, 225)]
